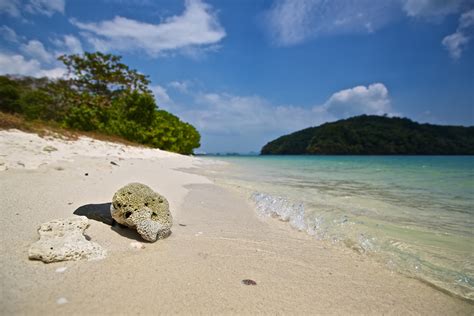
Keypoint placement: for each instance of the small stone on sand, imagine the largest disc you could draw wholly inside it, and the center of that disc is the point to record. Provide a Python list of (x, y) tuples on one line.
[(49, 149), (249, 282)]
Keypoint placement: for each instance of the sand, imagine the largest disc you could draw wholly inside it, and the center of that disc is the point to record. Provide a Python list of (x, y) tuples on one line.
[(217, 242)]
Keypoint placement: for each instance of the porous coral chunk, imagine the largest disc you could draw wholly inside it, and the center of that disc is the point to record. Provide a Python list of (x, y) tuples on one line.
[(139, 207), (63, 239)]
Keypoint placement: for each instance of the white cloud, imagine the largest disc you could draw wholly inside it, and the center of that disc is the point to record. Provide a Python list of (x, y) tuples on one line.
[(32, 58), (68, 44), (161, 96), (181, 86), (457, 42), (291, 22), (431, 8), (35, 49), (454, 43), (46, 7), (197, 27), (15, 64), (9, 34), (72, 44), (226, 113), (372, 99), (53, 73), (10, 7), (466, 20)]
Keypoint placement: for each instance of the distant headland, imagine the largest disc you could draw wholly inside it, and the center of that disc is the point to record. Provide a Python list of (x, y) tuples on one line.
[(375, 135)]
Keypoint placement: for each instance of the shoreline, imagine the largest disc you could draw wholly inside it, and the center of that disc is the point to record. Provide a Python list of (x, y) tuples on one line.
[(380, 262), (199, 268)]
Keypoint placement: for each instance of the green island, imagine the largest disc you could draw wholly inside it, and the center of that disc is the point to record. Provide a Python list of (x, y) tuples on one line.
[(100, 95), (375, 135)]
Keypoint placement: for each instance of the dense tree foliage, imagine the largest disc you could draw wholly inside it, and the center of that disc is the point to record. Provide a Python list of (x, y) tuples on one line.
[(103, 74), (101, 94), (375, 135)]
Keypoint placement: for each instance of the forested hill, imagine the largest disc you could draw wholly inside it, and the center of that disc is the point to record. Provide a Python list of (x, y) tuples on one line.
[(375, 135)]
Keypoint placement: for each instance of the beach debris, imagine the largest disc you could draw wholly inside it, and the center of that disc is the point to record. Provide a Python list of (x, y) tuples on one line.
[(63, 239), (184, 225), (114, 163), (86, 174), (49, 148), (136, 245), (138, 206), (61, 269), (248, 282), (61, 301), (198, 234)]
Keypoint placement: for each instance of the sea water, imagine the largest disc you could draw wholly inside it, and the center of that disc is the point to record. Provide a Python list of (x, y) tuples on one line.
[(413, 213)]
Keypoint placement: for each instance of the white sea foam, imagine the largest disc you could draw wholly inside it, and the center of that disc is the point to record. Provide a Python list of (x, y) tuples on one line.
[(335, 229), (268, 205)]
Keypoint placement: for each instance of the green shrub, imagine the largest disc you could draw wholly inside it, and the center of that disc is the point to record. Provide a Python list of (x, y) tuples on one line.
[(9, 95), (86, 117), (36, 104)]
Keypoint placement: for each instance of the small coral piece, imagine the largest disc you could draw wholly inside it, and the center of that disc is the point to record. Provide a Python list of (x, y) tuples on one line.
[(63, 239), (138, 206)]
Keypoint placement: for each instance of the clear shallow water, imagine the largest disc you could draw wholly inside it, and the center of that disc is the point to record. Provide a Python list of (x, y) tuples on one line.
[(416, 214)]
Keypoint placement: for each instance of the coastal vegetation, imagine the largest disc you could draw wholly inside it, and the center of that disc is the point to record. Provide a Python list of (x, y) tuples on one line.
[(99, 94), (375, 135)]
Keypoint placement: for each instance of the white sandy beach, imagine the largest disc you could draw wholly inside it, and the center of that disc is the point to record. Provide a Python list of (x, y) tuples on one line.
[(217, 241)]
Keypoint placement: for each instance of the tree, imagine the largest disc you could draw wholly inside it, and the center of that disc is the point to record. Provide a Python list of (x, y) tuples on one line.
[(101, 94), (103, 74), (96, 81)]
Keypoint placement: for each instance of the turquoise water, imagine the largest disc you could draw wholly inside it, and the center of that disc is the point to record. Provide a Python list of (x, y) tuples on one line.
[(414, 214)]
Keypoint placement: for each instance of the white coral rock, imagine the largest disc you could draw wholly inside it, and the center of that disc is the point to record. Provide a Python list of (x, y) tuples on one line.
[(63, 239)]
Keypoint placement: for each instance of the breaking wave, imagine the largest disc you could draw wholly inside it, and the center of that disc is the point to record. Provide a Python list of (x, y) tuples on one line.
[(323, 226)]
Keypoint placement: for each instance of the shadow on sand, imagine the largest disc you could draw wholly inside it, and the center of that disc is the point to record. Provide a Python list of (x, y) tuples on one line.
[(101, 213)]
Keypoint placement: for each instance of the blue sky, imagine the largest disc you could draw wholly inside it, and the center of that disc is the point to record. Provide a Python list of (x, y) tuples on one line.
[(244, 72)]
